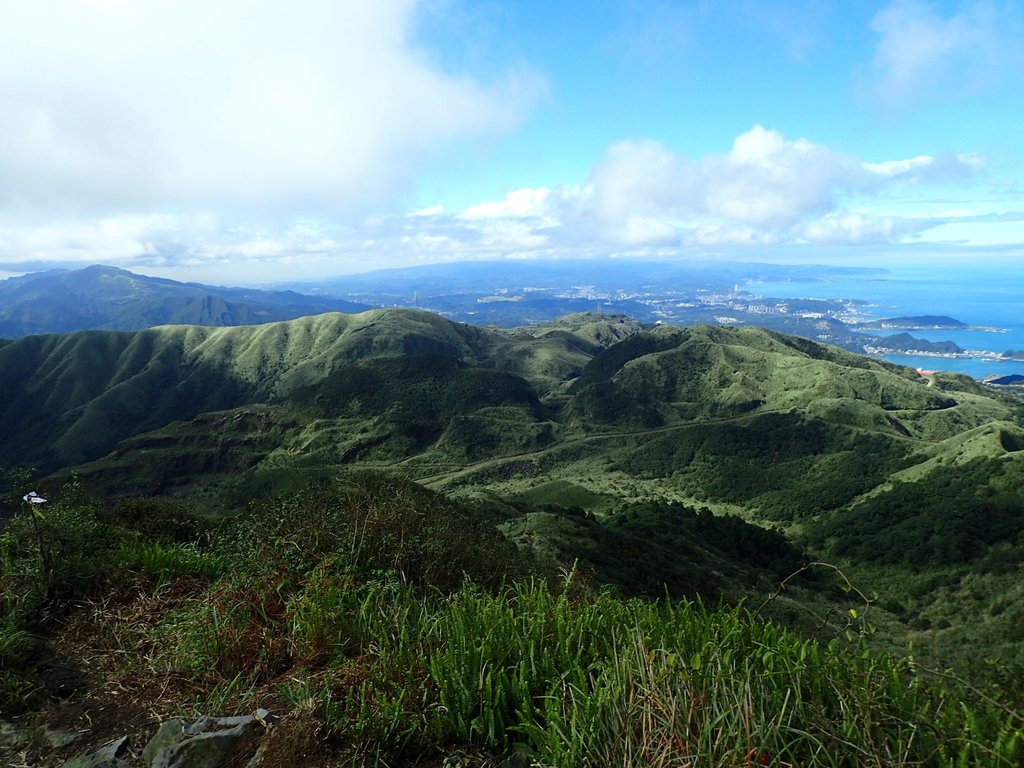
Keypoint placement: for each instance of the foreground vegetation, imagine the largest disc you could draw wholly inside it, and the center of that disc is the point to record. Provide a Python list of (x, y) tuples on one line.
[(409, 629)]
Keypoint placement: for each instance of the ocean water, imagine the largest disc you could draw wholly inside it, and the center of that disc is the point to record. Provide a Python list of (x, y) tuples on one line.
[(983, 296)]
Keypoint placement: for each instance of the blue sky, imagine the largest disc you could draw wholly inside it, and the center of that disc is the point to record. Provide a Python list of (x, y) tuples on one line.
[(247, 142)]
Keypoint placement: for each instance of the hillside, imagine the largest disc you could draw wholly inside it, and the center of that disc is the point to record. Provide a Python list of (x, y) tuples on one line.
[(369, 622), (781, 426), (107, 298), (702, 463), (904, 342), (79, 394)]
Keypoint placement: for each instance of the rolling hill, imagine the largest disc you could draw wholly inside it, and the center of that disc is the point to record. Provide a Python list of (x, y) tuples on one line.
[(331, 502), (692, 404), (556, 433)]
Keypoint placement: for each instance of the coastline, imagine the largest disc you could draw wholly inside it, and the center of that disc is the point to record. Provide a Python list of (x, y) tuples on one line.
[(978, 368), (888, 327), (967, 354)]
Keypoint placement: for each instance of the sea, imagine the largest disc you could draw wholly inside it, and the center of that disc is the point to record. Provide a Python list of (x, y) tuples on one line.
[(984, 297)]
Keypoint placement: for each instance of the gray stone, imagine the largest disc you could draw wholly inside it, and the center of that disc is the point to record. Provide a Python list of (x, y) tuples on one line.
[(11, 735), (96, 761), (209, 724), (207, 743), (167, 735), (107, 756), (59, 739)]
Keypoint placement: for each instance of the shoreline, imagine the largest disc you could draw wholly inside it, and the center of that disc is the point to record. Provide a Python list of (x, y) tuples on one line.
[(981, 328), (967, 354)]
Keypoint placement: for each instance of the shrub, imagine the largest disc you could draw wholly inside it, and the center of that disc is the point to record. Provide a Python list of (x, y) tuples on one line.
[(368, 524), (156, 520)]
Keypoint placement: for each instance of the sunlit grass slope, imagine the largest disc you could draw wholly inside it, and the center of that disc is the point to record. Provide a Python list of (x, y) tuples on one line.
[(402, 630), (561, 428)]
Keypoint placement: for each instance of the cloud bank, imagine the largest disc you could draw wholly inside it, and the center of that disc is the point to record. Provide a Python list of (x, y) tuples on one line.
[(766, 189), (639, 199), (273, 139), (311, 105)]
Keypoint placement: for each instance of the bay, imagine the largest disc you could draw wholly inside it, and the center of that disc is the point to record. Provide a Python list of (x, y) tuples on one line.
[(983, 296)]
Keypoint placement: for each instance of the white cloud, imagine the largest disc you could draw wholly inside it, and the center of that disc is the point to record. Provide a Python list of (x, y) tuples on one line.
[(648, 230), (765, 180), (861, 229), (923, 53), (164, 240), (766, 190), (111, 105), (892, 168), (768, 180), (431, 210), (637, 177), (925, 169), (519, 203), (732, 235)]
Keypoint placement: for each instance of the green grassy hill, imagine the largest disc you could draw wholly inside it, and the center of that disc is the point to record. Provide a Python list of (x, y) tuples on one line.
[(71, 398), (558, 430), (290, 510)]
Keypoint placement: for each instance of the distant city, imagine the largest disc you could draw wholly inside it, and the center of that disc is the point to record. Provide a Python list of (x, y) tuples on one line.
[(722, 293)]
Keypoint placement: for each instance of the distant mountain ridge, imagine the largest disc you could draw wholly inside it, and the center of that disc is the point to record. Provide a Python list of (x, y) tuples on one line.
[(907, 343), (107, 298), (916, 322)]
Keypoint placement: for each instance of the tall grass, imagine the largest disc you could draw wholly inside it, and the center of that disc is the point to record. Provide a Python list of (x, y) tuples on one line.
[(164, 562), (598, 681), (354, 604)]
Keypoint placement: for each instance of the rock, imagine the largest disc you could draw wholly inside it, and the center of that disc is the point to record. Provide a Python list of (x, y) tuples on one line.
[(168, 734), (11, 735), (209, 742), (266, 719), (107, 756), (59, 739), (13, 741)]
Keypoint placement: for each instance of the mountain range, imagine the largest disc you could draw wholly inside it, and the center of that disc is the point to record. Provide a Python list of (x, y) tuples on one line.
[(108, 298), (556, 431), (552, 428), (493, 293)]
